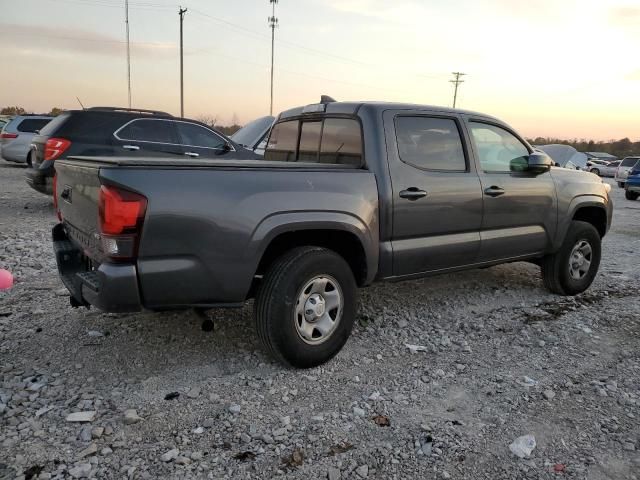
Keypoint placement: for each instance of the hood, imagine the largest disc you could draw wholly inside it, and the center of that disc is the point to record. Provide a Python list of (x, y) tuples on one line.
[(253, 132)]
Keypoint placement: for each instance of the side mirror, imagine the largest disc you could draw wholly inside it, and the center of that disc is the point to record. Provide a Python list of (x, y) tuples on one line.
[(539, 163), (225, 148)]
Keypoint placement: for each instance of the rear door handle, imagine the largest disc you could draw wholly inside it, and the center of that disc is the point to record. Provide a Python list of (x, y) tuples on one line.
[(131, 147), (494, 191), (192, 154), (413, 193)]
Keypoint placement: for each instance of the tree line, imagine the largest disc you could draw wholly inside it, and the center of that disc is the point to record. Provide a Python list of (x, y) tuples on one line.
[(618, 148)]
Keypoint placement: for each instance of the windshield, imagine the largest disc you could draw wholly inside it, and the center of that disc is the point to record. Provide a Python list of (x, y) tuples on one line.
[(251, 134), (629, 162)]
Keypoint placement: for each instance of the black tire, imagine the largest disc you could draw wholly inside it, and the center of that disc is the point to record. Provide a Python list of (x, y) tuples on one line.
[(595, 171), (631, 195), (29, 161), (557, 266), (621, 184), (277, 300)]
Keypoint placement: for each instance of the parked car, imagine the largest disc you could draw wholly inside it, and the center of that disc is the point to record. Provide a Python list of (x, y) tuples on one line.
[(632, 184), (602, 168), (17, 135), (254, 134), (346, 194), (111, 131), (623, 169)]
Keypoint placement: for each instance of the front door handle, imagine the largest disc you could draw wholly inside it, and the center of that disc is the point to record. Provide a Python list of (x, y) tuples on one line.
[(192, 154), (133, 148), (494, 191), (413, 193)]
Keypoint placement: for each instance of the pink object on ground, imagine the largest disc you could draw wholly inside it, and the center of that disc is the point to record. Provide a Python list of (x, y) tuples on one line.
[(6, 279)]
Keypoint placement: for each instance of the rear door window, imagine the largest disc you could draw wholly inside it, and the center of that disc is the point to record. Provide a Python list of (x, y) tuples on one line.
[(148, 130), (283, 142), (430, 143), (194, 135), (32, 125)]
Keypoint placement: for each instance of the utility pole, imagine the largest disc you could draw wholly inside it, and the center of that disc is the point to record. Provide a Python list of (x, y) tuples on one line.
[(181, 12), (126, 21), (273, 24), (457, 82)]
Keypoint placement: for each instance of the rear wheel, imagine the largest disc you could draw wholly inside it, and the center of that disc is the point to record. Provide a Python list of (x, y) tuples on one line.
[(29, 161), (631, 195), (571, 269), (306, 306)]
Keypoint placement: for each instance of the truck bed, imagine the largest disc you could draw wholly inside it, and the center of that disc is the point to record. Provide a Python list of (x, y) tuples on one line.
[(208, 222)]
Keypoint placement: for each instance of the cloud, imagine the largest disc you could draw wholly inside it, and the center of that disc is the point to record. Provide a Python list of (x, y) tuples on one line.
[(633, 76), (625, 15), (44, 40)]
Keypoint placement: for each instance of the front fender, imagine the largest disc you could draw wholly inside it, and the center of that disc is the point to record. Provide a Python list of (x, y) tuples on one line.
[(365, 229), (576, 203)]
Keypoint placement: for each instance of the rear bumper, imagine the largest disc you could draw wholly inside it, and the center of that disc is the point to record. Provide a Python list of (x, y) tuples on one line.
[(109, 287), (40, 181)]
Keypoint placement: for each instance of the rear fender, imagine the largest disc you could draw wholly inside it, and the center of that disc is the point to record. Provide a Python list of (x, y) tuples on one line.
[(280, 223)]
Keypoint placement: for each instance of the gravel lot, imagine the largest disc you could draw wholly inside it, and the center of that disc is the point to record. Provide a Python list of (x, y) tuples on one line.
[(502, 358)]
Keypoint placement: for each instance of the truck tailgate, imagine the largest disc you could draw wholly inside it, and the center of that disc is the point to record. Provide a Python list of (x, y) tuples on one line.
[(78, 187)]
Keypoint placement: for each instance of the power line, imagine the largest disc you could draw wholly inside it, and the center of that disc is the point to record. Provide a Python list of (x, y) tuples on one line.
[(181, 13), (273, 24), (456, 82)]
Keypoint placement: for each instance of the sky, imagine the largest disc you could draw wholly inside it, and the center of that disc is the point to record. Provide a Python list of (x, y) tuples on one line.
[(558, 68)]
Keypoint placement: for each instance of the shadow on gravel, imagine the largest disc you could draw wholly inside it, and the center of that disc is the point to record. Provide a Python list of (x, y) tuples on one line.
[(554, 310)]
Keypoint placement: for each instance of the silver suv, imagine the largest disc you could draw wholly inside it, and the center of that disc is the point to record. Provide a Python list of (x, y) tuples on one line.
[(16, 136), (625, 166)]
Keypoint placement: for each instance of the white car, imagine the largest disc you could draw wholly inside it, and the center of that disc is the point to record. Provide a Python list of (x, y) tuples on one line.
[(623, 169), (602, 168), (16, 136)]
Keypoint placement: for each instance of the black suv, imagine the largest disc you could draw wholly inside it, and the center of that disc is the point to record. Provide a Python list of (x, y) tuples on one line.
[(108, 131)]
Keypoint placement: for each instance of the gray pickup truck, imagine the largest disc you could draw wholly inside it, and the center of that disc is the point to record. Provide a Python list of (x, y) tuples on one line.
[(347, 194)]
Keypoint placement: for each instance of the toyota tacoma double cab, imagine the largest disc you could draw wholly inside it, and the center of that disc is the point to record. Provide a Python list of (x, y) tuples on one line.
[(346, 194)]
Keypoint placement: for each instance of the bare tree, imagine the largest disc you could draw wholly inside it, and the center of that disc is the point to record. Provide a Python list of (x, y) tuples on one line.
[(209, 120)]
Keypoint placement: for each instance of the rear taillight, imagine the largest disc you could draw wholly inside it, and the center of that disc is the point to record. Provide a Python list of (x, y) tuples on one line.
[(121, 213), (55, 196), (9, 135), (55, 147)]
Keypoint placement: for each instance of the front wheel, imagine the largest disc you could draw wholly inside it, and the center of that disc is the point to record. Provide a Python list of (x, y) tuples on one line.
[(571, 269), (595, 171), (305, 308), (631, 195)]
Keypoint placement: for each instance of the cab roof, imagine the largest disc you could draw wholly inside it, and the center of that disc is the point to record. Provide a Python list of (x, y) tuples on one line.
[(352, 108)]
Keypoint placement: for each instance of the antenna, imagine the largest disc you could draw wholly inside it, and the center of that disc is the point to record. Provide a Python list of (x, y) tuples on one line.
[(457, 82), (273, 24), (80, 103)]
